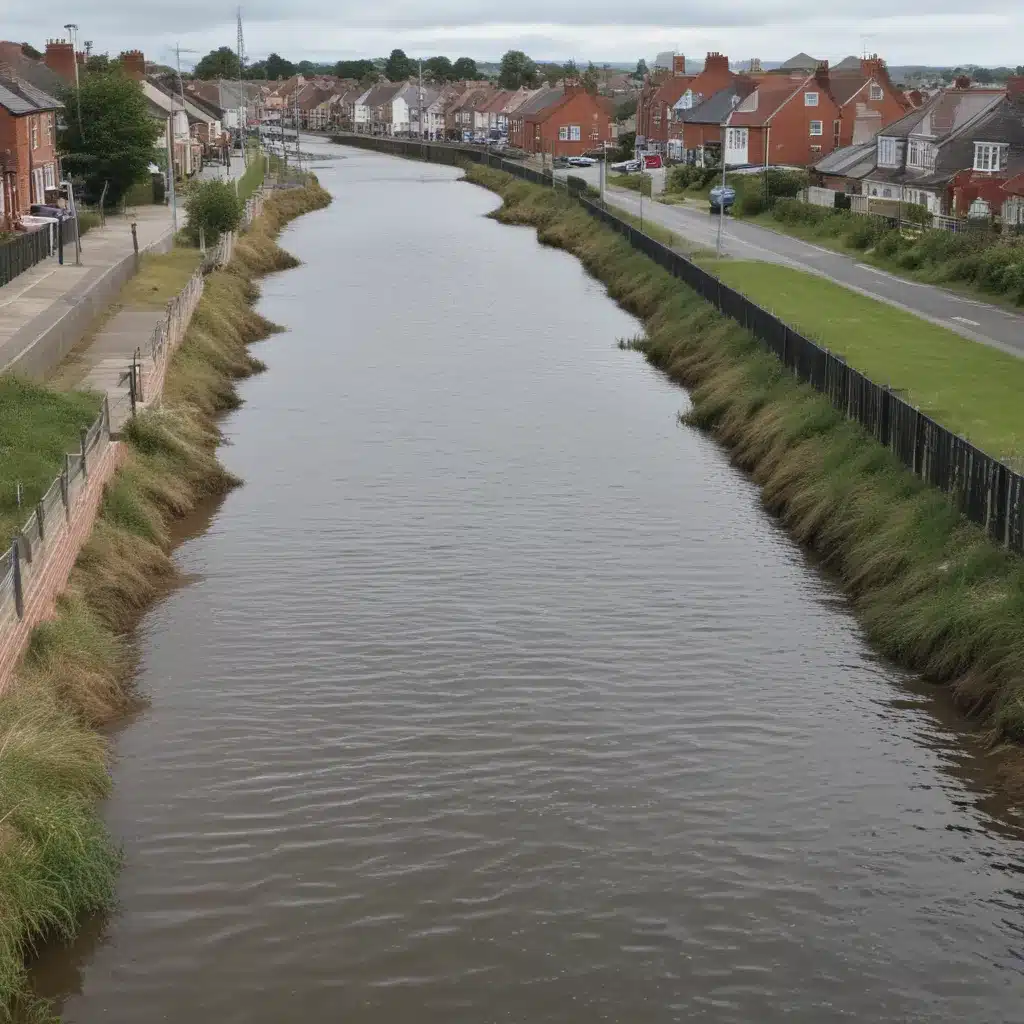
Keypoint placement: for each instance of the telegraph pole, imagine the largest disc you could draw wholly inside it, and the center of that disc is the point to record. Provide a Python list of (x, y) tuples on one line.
[(298, 152), (73, 34), (243, 114), (422, 132)]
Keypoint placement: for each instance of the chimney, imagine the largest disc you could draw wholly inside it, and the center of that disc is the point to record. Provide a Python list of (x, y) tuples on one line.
[(962, 82), (1015, 89), (134, 64), (821, 74), (678, 65), (60, 59), (716, 61), (873, 67)]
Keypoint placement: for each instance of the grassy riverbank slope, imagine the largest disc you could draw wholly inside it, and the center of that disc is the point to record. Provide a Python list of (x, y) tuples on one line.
[(933, 593), (57, 861)]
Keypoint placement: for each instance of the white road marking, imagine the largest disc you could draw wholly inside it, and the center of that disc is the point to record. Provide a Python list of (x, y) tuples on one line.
[(964, 320)]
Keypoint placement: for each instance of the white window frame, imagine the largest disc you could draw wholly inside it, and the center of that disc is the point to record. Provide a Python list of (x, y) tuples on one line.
[(888, 153), (575, 133), (49, 129), (876, 92), (38, 186), (736, 138), (810, 99), (34, 126), (563, 133), (991, 156), (49, 176), (821, 128)]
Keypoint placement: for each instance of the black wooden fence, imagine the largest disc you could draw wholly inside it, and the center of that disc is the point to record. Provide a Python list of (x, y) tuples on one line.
[(25, 250), (987, 491)]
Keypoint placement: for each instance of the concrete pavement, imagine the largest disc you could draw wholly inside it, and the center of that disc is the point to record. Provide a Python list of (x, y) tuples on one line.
[(979, 321)]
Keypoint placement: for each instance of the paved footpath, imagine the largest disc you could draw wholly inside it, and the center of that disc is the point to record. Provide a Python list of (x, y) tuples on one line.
[(979, 321), (42, 294)]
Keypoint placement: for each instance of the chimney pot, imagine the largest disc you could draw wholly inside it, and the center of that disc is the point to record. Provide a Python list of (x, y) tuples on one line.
[(60, 59), (134, 64)]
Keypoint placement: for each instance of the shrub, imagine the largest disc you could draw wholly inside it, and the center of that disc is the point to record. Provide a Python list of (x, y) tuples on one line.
[(683, 177), (864, 231), (752, 202), (214, 207), (915, 213), (785, 184), (575, 183), (889, 243)]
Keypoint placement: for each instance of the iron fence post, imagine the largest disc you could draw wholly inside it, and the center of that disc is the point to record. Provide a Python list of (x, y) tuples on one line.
[(19, 598)]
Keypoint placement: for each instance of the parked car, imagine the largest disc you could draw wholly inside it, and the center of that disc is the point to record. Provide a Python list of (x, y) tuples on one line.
[(627, 166), (581, 161), (721, 198)]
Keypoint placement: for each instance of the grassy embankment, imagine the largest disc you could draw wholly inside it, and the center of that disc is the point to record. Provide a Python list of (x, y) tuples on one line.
[(933, 593), (634, 182), (57, 861), (975, 262)]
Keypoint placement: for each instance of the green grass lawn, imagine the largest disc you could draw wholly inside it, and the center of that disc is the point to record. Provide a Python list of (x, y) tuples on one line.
[(37, 427), (253, 176), (968, 387)]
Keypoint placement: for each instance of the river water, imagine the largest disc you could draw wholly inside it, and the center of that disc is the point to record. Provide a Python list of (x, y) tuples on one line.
[(494, 694)]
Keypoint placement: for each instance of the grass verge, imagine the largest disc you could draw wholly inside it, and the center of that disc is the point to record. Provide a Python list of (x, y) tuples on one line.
[(57, 861), (970, 388), (932, 592)]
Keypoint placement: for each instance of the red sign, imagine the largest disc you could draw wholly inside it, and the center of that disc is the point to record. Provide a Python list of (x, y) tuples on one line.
[(652, 161)]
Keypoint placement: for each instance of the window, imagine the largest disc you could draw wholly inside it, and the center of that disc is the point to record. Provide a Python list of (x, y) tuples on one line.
[(810, 99), (563, 134), (816, 128), (887, 152), (815, 149), (876, 92), (736, 138), (49, 178), (574, 133), (990, 156), (49, 129), (887, 193), (35, 132)]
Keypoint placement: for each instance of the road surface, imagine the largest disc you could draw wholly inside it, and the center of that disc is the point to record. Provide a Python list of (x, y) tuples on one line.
[(979, 321)]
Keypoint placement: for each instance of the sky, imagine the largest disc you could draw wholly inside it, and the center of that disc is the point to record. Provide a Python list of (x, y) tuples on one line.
[(936, 32)]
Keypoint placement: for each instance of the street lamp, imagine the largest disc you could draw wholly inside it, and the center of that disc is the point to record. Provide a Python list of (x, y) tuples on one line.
[(72, 30)]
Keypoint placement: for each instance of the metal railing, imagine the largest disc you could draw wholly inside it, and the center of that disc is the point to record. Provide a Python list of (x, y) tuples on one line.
[(986, 490)]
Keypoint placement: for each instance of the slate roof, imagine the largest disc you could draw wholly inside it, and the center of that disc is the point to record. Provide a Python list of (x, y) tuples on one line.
[(35, 72), (771, 93), (541, 101), (718, 106), (851, 161), (19, 97)]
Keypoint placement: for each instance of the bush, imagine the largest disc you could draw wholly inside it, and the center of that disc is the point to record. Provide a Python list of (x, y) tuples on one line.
[(683, 177), (915, 213), (214, 207), (575, 183), (752, 202), (889, 243), (865, 231)]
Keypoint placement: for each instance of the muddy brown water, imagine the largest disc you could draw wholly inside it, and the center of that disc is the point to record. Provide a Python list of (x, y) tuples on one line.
[(495, 695)]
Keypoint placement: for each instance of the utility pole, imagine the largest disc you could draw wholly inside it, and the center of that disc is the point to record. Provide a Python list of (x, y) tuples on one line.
[(72, 30), (422, 134), (721, 198), (298, 152), (243, 114)]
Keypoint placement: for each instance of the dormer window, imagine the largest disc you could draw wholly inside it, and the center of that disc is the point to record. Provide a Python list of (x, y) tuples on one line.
[(887, 152), (990, 156), (810, 99), (876, 92)]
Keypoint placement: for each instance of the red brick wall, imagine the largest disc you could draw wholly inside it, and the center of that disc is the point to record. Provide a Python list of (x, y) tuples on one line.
[(789, 138), (16, 136), (581, 109), (889, 107)]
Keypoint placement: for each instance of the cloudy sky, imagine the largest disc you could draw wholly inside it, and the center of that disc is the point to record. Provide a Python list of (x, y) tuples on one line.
[(922, 32)]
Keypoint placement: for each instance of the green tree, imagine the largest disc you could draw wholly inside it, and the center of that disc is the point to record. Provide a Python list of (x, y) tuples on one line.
[(215, 208), (399, 67), (219, 63), (278, 68), (98, 64), (257, 72), (438, 69), (591, 79), (517, 70), (983, 76), (115, 142), (357, 70), (570, 71), (552, 74), (465, 69), (641, 70), (30, 51)]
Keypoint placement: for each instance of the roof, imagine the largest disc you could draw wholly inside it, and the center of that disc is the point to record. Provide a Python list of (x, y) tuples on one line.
[(35, 72), (944, 113), (851, 161), (1015, 185), (718, 106), (764, 102), (19, 97), (850, 63), (540, 101), (382, 93), (845, 87), (801, 62), (672, 88)]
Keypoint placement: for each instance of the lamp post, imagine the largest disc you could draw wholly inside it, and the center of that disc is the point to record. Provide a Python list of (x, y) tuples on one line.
[(72, 30)]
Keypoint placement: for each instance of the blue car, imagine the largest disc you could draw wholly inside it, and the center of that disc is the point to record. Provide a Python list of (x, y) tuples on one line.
[(722, 197)]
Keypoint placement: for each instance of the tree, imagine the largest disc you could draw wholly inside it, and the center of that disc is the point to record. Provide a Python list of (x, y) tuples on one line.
[(399, 67), (278, 68), (219, 63), (517, 70), (591, 79), (98, 64), (465, 69), (30, 51), (983, 76), (358, 70), (551, 73), (641, 70), (115, 142), (215, 207), (570, 71), (438, 69)]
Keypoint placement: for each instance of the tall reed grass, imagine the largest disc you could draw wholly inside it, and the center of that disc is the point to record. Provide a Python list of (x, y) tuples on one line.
[(933, 593), (57, 860)]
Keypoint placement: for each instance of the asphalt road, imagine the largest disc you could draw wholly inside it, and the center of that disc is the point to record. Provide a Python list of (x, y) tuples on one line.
[(979, 321)]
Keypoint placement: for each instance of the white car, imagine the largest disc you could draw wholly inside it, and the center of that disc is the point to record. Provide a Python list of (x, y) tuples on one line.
[(627, 166), (581, 161)]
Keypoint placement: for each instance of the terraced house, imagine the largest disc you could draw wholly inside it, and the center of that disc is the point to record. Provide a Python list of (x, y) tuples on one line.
[(28, 146)]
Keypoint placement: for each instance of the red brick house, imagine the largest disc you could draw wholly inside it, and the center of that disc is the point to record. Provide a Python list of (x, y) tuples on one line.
[(657, 98), (28, 147), (867, 100), (715, 77), (787, 119), (565, 121)]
